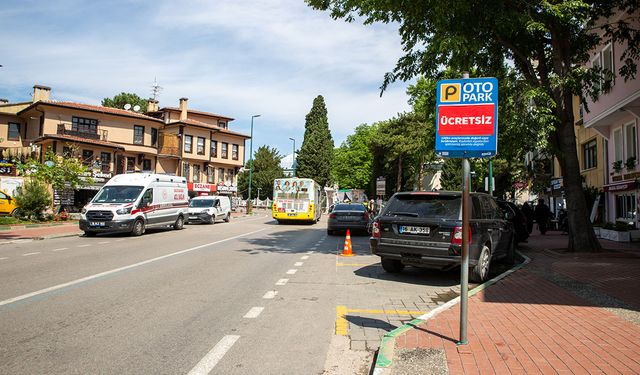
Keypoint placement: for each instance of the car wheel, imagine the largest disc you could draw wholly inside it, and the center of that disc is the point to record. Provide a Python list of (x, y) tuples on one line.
[(138, 228), (212, 219), (227, 218), (392, 265), (179, 224), (480, 272), (89, 233), (15, 213)]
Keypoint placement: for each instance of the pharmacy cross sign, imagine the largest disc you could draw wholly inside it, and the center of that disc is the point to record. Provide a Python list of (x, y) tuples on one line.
[(467, 118)]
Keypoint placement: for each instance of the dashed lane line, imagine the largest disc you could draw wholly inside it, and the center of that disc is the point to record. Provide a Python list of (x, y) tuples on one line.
[(292, 272), (304, 257), (214, 356), (61, 249), (270, 294), (3, 258), (282, 281), (298, 264), (254, 312), (103, 242), (87, 245), (356, 264), (28, 254), (120, 269)]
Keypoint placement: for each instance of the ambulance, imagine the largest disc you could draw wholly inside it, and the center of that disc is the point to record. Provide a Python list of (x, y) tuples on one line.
[(137, 201)]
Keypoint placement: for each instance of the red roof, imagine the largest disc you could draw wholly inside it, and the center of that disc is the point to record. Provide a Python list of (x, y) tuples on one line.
[(208, 126), (94, 108), (72, 138), (197, 112)]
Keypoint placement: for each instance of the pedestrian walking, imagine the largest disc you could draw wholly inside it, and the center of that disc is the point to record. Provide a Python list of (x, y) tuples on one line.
[(542, 213), (527, 211)]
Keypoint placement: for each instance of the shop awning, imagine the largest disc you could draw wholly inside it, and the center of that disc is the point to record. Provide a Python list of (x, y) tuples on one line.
[(629, 185)]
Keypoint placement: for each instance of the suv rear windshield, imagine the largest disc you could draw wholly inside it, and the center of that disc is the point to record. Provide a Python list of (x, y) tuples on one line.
[(349, 207), (424, 206)]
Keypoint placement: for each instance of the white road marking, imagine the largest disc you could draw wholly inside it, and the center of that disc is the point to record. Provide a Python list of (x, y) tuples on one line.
[(214, 356), (305, 257), (311, 251), (27, 254), (298, 264), (3, 258), (254, 312), (122, 239), (101, 274), (61, 249), (103, 243), (290, 272), (87, 245), (282, 281), (270, 294)]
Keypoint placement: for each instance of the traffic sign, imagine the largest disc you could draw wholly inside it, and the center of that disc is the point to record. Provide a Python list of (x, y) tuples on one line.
[(467, 117)]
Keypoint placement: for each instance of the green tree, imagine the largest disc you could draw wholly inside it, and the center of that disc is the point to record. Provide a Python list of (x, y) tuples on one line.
[(123, 98), (57, 170), (316, 154), (33, 198), (352, 166), (266, 168), (547, 42)]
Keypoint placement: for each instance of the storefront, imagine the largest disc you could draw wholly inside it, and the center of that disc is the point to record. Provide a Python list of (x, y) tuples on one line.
[(73, 200), (197, 188), (623, 202), (226, 189)]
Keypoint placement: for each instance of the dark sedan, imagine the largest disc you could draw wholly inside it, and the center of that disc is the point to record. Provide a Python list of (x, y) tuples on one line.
[(424, 229), (353, 216)]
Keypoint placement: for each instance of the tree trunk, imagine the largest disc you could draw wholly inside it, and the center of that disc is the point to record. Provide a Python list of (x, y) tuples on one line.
[(399, 181), (581, 235)]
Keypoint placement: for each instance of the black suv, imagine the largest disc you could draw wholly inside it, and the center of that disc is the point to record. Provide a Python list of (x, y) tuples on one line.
[(424, 229)]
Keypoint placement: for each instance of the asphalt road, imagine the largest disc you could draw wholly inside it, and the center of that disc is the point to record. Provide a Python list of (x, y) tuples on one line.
[(199, 300)]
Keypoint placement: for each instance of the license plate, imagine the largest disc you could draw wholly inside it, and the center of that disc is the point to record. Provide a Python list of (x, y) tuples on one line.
[(96, 224), (291, 214), (413, 230)]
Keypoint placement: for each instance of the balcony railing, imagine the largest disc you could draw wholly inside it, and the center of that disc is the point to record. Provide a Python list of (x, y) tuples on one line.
[(168, 144), (100, 135)]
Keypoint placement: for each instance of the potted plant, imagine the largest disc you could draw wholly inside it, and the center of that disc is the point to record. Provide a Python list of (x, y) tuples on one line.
[(630, 164), (618, 232), (617, 166)]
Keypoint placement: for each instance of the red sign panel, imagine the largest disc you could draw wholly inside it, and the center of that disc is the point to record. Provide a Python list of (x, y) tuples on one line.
[(478, 119), (196, 186)]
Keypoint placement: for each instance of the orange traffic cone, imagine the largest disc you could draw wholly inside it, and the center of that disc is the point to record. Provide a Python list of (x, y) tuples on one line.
[(348, 250)]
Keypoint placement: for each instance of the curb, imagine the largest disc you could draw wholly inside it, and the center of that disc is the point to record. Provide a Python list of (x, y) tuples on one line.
[(384, 360), (30, 226), (29, 239)]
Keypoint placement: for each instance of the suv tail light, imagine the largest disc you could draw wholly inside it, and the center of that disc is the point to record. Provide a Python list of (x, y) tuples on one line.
[(375, 229), (333, 216), (457, 236)]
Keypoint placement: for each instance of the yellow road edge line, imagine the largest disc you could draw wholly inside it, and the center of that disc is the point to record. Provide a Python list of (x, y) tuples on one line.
[(354, 264), (389, 312), (342, 325)]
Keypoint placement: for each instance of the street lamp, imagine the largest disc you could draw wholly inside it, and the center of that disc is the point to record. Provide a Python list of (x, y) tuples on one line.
[(249, 210), (293, 156), (259, 193)]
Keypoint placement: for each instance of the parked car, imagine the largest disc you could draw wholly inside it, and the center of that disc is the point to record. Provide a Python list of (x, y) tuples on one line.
[(343, 216), (424, 229), (518, 219), (208, 209), (8, 204)]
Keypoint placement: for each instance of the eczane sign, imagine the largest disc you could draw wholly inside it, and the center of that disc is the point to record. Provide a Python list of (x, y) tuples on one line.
[(467, 117)]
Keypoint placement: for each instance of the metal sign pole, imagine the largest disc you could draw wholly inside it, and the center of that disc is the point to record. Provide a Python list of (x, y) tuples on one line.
[(464, 265)]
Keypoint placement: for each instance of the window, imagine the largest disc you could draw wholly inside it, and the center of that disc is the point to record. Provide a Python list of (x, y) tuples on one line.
[(607, 64), (234, 152), (220, 174), (211, 171), (14, 131), (626, 206), (146, 165), (617, 145), (67, 151), (225, 155), (105, 161), (188, 143), (185, 170), (590, 155), (84, 125), (154, 137), (222, 124), (200, 146), (196, 173), (630, 141), (214, 149), (229, 176), (87, 157), (131, 164), (138, 134)]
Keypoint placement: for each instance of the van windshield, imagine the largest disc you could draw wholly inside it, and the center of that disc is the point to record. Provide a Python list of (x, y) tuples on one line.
[(199, 203), (118, 194)]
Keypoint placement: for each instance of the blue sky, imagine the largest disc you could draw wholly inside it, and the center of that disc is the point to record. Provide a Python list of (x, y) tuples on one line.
[(232, 57)]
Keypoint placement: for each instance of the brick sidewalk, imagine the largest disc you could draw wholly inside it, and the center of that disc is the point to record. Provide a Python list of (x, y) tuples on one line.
[(40, 232), (531, 322)]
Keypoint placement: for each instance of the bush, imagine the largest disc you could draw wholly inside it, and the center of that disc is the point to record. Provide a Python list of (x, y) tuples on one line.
[(9, 220), (622, 226), (33, 198)]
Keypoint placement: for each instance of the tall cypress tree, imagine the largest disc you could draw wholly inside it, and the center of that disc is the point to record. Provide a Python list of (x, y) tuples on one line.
[(316, 154)]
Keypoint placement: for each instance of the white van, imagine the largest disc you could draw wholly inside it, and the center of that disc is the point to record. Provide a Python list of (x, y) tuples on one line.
[(136, 201), (210, 208)]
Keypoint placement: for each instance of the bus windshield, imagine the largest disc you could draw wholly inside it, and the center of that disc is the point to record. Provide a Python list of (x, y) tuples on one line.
[(118, 194), (293, 194)]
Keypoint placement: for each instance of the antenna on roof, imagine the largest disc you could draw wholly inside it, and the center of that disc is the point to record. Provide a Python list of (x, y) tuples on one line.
[(155, 89)]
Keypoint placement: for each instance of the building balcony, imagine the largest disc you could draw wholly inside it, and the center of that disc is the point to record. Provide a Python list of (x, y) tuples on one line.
[(99, 135), (168, 145)]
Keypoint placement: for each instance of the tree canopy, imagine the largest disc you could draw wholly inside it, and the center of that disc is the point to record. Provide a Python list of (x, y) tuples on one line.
[(123, 98), (266, 168), (316, 154), (547, 42), (352, 166)]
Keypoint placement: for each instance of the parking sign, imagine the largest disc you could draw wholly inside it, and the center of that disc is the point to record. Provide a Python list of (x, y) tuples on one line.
[(467, 118)]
